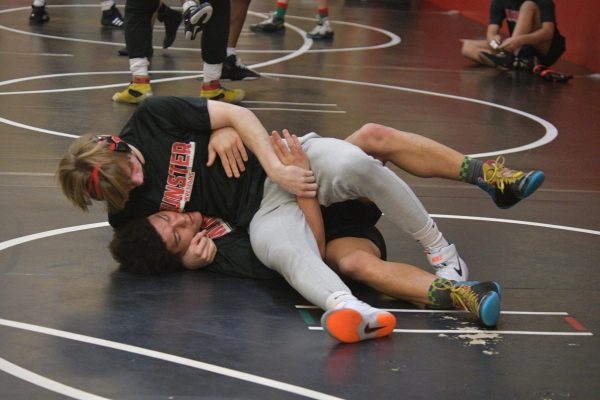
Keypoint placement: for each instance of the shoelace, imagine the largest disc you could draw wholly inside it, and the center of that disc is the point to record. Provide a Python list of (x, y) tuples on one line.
[(463, 297), (497, 174)]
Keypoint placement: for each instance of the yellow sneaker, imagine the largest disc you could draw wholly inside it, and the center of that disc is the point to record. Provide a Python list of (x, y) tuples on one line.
[(134, 94), (214, 91)]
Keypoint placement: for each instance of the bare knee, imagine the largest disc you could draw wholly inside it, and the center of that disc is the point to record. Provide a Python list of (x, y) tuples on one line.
[(356, 265), (376, 140), (528, 6)]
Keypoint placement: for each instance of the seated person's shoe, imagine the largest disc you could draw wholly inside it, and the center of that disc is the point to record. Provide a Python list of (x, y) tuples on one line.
[(501, 60), (194, 19), (234, 70), (172, 19), (447, 263), (214, 91), (322, 31), (353, 320), (135, 93), (482, 299), (506, 186), (270, 25), (39, 15), (550, 75), (112, 18)]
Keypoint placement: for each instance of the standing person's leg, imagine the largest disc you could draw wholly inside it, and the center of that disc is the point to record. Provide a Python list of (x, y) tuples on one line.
[(426, 158), (233, 69), (323, 30), (39, 15), (214, 52), (111, 17), (138, 39), (283, 241), (275, 23), (172, 19)]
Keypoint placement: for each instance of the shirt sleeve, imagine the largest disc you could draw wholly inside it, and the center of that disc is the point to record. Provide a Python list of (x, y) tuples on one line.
[(497, 12), (547, 11), (176, 116)]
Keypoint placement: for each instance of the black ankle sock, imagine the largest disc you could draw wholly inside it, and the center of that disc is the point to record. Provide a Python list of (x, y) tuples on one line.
[(470, 170), (439, 293)]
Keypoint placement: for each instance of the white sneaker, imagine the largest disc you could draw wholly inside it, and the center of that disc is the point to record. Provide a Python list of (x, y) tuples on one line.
[(322, 31), (447, 263), (353, 320)]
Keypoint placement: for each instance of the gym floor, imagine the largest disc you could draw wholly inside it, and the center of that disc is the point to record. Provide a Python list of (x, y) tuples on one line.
[(71, 326)]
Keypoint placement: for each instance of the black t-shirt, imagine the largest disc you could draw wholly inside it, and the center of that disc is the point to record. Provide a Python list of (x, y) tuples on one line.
[(509, 10), (173, 133)]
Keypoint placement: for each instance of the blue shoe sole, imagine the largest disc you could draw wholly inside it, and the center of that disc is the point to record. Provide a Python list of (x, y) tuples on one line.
[(489, 310), (534, 182)]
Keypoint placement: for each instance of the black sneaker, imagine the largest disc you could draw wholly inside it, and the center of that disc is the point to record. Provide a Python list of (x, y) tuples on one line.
[(501, 60), (172, 19), (39, 15), (270, 25), (234, 70), (194, 19), (112, 18)]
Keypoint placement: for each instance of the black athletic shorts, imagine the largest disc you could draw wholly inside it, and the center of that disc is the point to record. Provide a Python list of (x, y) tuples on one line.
[(557, 48), (353, 218)]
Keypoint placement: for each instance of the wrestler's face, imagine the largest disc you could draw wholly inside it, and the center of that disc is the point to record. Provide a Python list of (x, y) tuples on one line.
[(176, 229), (136, 171)]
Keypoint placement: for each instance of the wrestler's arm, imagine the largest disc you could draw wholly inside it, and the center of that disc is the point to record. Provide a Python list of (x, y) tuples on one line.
[(293, 154), (293, 179)]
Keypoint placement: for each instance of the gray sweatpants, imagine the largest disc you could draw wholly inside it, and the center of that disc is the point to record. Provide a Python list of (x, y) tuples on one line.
[(281, 237)]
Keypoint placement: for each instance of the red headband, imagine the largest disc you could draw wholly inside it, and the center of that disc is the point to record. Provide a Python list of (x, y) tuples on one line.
[(93, 186)]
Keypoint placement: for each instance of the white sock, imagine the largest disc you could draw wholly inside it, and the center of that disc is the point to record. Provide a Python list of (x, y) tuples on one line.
[(105, 5), (336, 298), (231, 51), (139, 66), (430, 236), (212, 72), (38, 3)]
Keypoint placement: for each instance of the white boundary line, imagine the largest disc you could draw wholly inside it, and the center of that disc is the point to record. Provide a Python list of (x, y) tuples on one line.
[(259, 380), (550, 134), (394, 39), (517, 222), (46, 383), (475, 331), (419, 310)]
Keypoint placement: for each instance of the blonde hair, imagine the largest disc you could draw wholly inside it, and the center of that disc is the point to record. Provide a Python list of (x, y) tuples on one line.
[(75, 170)]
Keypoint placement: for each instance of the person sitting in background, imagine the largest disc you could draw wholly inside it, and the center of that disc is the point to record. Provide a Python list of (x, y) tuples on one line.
[(533, 35)]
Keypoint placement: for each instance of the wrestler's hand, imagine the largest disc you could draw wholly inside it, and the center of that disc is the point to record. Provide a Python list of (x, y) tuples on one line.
[(200, 253), (231, 150), (292, 153), (511, 44), (295, 179)]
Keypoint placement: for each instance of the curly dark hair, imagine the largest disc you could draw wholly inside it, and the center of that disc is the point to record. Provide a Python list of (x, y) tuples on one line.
[(139, 249)]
